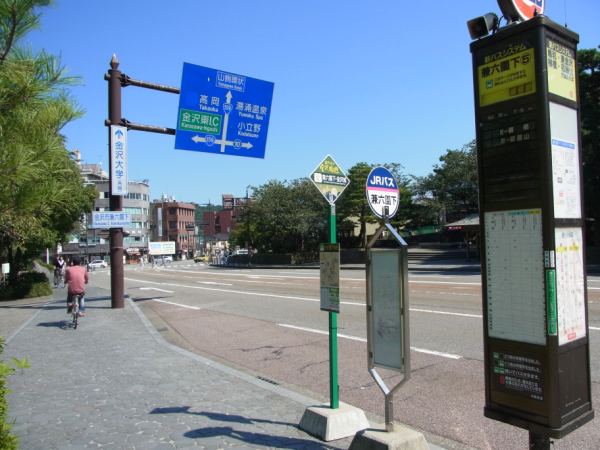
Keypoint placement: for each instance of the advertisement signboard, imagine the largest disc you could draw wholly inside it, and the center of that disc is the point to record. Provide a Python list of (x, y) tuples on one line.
[(161, 248)]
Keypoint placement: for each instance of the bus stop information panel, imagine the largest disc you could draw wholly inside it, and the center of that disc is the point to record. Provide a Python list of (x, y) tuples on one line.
[(536, 346)]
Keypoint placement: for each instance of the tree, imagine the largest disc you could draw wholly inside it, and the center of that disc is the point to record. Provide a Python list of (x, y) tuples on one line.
[(353, 205), (283, 217), (452, 186), (589, 97), (42, 194)]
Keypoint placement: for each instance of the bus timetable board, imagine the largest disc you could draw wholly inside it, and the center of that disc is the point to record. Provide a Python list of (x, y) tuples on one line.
[(536, 347)]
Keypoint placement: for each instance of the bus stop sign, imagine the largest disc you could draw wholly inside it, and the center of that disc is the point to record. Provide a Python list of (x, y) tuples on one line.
[(382, 192)]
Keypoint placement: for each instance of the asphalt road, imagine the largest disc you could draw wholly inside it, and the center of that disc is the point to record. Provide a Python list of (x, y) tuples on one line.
[(268, 323)]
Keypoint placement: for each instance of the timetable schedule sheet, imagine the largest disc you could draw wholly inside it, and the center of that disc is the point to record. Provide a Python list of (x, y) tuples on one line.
[(570, 285), (515, 276)]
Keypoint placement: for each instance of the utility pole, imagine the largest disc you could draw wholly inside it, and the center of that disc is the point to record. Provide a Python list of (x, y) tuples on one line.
[(117, 283)]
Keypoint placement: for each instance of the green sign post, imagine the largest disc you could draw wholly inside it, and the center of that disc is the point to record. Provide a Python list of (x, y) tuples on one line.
[(331, 181)]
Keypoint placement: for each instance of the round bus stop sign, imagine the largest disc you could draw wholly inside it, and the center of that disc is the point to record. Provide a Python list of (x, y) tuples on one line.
[(522, 9), (382, 192)]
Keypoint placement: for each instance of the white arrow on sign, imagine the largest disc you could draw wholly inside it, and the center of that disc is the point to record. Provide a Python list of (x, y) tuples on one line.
[(221, 142), (224, 142)]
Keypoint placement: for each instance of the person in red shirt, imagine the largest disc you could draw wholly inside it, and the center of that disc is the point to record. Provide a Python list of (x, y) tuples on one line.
[(76, 277)]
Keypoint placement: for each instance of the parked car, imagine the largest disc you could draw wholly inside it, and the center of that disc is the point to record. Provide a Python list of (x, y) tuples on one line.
[(167, 259), (201, 258), (99, 263)]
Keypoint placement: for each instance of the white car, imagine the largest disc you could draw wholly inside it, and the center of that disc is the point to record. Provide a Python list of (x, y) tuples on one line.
[(99, 263), (167, 259)]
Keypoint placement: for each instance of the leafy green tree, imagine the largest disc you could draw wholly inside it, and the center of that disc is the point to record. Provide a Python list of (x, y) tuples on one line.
[(283, 217), (353, 206), (42, 194), (452, 187), (589, 94)]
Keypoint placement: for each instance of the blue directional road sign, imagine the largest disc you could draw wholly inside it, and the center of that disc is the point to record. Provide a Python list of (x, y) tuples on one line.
[(382, 192), (222, 112)]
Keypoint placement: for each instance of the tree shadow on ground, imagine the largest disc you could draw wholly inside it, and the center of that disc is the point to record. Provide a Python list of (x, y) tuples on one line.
[(252, 438), (62, 303)]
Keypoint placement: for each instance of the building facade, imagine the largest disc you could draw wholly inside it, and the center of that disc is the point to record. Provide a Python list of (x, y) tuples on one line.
[(218, 224), (174, 222), (94, 244)]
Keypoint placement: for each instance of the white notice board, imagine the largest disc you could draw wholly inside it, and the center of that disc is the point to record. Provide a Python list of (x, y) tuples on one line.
[(565, 162), (386, 320), (516, 307), (330, 277), (570, 286)]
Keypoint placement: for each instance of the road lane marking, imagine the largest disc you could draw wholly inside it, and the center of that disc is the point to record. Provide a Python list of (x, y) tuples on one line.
[(175, 304), (354, 338), (258, 294), (446, 313), (260, 276), (155, 289)]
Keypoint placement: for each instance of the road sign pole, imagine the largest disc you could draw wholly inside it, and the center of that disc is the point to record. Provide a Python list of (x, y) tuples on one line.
[(117, 282), (333, 366)]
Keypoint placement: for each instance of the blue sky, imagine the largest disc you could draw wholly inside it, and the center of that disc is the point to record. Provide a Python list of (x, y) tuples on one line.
[(375, 82)]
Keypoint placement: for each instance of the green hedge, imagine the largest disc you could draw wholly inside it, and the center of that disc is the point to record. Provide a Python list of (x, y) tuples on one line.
[(50, 267), (7, 440), (28, 285)]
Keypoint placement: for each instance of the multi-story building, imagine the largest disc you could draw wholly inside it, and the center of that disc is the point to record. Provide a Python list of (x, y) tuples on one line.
[(94, 244), (218, 224), (174, 222)]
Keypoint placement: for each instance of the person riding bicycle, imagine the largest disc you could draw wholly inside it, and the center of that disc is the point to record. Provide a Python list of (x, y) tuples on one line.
[(59, 265), (76, 277)]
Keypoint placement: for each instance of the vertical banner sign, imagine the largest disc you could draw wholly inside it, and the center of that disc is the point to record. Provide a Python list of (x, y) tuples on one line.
[(118, 168), (223, 113), (160, 233), (330, 277)]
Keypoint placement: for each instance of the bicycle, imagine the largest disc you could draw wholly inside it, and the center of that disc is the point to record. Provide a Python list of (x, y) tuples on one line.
[(59, 280), (75, 312)]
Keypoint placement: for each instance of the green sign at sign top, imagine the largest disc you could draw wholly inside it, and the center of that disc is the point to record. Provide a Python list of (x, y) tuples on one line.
[(329, 179)]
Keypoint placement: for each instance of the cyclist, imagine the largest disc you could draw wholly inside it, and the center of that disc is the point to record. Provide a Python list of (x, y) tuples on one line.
[(59, 265), (77, 277)]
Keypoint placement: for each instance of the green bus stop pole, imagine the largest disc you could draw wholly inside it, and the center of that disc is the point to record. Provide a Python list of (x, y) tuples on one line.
[(333, 367)]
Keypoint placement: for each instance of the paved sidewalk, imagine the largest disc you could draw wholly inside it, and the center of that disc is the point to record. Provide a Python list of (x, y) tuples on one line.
[(115, 383)]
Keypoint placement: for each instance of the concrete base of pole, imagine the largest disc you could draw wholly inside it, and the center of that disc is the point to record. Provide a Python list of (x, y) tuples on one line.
[(331, 424), (401, 438)]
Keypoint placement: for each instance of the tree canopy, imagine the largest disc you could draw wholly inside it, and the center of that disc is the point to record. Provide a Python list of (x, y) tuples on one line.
[(589, 93), (283, 217), (42, 194), (452, 186)]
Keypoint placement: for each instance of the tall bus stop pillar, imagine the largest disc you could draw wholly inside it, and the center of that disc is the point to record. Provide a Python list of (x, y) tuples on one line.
[(536, 339)]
